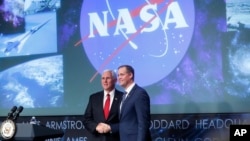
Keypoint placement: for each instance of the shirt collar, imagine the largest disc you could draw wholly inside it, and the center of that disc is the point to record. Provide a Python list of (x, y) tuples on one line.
[(112, 93), (129, 88)]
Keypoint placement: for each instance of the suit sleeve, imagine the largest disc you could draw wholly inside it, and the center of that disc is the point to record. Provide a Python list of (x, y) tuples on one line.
[(88, 120), (143, 115), (115, 126)]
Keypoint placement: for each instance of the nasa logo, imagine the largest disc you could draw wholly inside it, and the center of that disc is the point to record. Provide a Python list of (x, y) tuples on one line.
[(152, 36)]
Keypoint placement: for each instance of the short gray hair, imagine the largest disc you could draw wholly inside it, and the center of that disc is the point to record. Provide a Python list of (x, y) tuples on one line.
[(112, 73)]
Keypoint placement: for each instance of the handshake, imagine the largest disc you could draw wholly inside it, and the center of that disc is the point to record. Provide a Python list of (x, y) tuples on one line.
[(103, 128)]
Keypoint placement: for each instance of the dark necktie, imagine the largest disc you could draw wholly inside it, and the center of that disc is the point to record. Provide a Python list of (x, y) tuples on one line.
[(123, 99), (106, 106)]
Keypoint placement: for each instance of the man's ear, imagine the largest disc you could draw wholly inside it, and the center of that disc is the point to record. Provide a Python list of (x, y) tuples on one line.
[(131, 75)]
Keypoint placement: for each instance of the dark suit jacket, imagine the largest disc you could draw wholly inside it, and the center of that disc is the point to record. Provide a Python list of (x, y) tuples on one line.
[(94, 115), (135, 116)]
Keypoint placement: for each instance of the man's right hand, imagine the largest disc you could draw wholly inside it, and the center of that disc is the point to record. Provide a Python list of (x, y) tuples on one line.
[(103, 128)]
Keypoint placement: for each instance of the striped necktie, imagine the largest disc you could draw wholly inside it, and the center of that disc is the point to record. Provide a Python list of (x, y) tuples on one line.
[(123, 99)]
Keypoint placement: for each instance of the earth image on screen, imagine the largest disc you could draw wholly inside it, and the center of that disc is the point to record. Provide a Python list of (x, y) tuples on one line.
[(34, 84)]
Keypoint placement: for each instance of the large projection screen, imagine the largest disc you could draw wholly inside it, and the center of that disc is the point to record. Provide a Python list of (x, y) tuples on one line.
[(192, 56)]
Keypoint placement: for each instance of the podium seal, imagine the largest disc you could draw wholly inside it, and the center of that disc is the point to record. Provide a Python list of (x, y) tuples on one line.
[(8, 129)]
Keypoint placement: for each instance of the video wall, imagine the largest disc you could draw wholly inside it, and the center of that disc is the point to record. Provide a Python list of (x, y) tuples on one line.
[(192, 56)]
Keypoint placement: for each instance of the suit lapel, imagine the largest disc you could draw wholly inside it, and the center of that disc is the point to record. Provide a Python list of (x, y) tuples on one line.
[(115, 104), (130, 94), (99, 104)]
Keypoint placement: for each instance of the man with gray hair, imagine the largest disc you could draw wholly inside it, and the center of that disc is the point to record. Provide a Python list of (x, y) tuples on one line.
[(101, 116)]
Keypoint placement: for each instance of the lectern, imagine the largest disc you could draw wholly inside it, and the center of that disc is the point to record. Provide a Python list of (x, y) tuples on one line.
[(33, 132)]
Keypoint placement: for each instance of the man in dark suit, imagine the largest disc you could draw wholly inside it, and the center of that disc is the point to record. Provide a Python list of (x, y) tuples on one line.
[(134, 109), (104, 128)]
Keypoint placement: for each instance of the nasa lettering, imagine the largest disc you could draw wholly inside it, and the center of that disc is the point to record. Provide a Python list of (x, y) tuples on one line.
[(156, 31)]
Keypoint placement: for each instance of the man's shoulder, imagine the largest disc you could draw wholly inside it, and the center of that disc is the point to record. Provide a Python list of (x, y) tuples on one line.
[(139, 87), (96, 94), (118, 91)]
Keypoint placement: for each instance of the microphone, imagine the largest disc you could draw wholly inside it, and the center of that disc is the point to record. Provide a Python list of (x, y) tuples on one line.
[(18, 111), (10, 114)]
